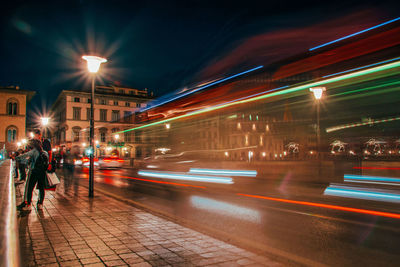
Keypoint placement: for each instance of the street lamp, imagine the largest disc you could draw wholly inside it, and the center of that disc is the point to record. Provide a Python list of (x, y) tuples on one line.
[(45, 122), (93, 64), (318, 91)]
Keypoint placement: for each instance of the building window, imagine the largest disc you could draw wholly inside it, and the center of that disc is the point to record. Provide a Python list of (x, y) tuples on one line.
[(12, 107), (131, 92), (103, 115), (128, 137), (12, 134), (75, 134), (76, 113), (127, 104), (103, 137), (88, 113), (138, 105), (127, 116), (77, 99), (115, 115), (121, 91), (115, 103), (103, 102), (89, 100)]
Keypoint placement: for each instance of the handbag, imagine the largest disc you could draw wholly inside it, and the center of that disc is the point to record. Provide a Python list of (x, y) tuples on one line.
[(52, 179)]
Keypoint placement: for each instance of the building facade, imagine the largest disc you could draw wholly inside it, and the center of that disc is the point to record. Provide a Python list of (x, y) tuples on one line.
[(114, 109), (13, 103)]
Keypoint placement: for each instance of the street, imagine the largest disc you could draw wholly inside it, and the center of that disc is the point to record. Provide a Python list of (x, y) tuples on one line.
[(299, 231)]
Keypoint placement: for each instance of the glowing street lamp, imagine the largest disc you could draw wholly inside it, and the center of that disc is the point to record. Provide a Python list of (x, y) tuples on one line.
[(318, 91), (93, 65), (24, 141), (116, 137), (45, 121)]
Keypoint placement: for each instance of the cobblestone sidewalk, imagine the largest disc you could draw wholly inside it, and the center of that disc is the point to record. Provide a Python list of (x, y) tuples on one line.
[(73, 230)]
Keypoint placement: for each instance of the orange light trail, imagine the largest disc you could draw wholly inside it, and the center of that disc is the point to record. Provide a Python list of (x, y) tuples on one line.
[(334, 207), (376, 168), (154, 181)]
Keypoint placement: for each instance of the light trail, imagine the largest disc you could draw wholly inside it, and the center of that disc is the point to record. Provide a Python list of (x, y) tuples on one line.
[(363, 67), (328, 206), (376, 168), (224, 172), (187, 177), (275, 93), (203, 87), (352, 125), (371, 178), (355, 192), (153, 181), (354, 34)]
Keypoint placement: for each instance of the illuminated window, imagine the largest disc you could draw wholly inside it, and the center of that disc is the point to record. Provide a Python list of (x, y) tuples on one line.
[(12, 134)]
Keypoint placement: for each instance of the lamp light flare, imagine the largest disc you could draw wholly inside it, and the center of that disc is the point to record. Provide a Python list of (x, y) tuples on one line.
[(93, 63), (45, 121), (317, 91), (24, 141), (116, 136)]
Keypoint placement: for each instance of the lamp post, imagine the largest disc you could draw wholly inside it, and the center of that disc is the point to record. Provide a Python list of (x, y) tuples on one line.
[(93, 64), (116, 143), (317, 91)]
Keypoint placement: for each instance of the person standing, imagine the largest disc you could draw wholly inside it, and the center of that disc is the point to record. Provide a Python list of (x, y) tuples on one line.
[(38, 163), (22, 168)]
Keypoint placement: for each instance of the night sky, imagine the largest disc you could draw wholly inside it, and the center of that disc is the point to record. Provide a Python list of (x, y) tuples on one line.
[(164, 45)]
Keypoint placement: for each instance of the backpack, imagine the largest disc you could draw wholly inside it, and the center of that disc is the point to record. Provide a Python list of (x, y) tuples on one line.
[(42, 162)]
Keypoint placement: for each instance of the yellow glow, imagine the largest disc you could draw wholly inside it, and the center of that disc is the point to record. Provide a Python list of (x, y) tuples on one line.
[(93, 63), (31, 134), (116, 136), (24, 141), (18, 143), (83, 144)]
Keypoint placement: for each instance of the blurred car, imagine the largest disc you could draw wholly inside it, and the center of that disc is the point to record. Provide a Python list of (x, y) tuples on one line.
[(106, 162), (85, 161)]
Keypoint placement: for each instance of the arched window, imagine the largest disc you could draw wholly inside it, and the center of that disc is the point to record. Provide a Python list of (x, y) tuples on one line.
[(12, 107), (12, 134)]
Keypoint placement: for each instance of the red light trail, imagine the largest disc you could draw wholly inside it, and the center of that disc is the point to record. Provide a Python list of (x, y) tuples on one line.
[(377, 168), (327, 206)]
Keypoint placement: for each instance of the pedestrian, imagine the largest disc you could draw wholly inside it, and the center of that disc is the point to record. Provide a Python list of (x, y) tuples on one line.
[(38, 164), (21, 167), (15, 164)]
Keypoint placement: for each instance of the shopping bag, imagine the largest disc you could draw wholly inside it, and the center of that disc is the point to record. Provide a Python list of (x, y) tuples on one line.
[(47, 185), (52, 178)]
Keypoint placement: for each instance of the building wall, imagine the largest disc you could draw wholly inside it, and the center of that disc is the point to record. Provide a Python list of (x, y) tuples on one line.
[(17, 121), (66, 122)]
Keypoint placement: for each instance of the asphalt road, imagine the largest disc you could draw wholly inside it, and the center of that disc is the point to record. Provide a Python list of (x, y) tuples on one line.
[(293, 221)]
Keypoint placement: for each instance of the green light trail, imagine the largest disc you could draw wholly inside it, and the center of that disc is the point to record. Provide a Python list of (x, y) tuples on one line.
[(277, 93)]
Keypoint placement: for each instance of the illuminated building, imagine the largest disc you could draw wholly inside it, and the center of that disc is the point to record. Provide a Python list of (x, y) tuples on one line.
[(114, 109), (13, 103)]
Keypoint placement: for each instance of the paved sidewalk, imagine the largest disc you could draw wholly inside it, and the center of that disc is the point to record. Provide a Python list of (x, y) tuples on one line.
[(73, 230)]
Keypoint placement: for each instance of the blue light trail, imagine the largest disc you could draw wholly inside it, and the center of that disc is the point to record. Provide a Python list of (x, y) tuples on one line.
[(363, 67), (187, 177), (371, 178), (354, 34), (224, 172), (356, 193), (202, 87)]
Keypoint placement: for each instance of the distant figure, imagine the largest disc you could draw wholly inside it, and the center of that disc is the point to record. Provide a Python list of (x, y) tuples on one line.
[(22, 168)]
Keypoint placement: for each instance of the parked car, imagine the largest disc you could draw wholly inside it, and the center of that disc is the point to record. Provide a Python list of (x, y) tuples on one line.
[(106, 162)]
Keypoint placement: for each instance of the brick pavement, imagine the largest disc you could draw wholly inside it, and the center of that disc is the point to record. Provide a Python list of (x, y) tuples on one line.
[(73, 230)]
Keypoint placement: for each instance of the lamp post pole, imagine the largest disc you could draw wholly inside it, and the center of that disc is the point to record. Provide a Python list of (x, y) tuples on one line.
[(91, 164), (317, 91), (93, 64)]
